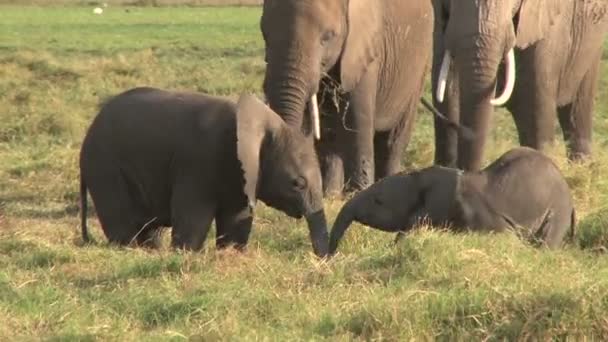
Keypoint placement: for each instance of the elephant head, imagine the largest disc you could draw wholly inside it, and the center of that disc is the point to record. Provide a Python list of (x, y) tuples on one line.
[(280, 167), (305, 39), (476, 36), (397, 203)]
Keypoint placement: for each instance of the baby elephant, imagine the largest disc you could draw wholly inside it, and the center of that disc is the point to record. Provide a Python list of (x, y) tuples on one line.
[(522, 190), (154, 158)]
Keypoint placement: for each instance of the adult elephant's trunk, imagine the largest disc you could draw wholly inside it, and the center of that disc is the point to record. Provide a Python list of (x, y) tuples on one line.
[(477, 62), (290, 92), (317, 224), (343, 221), (509, 79)]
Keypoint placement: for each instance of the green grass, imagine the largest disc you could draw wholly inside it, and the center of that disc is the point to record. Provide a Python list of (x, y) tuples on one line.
[(58, 63)]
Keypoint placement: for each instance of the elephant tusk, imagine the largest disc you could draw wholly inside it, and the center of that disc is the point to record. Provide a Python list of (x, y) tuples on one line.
[(314, 111), (510, 82), (443, 76)]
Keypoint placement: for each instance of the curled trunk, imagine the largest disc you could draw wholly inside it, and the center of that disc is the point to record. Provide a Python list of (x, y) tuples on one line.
[(343, 221), (287, 96)]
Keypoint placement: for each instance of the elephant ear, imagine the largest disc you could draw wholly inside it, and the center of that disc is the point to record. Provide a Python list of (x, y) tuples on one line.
[(362, 41), (535, 19), (254, 122)]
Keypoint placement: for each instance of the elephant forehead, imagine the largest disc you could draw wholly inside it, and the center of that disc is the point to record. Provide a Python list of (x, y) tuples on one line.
[(314, 8)]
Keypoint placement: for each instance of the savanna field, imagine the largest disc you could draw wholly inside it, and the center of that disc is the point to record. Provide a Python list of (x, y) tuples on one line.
[(58, 63)]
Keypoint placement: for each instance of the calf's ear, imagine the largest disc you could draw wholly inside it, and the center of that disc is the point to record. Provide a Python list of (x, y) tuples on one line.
[(255, 122)]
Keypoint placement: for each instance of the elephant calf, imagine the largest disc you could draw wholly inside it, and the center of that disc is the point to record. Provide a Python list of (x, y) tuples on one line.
[(154, 158), (522, 190)]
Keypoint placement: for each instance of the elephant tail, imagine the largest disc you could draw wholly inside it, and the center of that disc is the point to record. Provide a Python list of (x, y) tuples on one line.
[(572, 225), (83, 210)]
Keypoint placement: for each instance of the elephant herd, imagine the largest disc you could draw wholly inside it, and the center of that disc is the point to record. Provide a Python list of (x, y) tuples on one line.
[(342, 83)]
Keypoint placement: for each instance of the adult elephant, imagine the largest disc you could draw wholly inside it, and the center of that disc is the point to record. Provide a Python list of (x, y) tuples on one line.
[(367, 61), (557, 45)]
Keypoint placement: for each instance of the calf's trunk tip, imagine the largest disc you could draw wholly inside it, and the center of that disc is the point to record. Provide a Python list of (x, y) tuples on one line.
[(342, 223)]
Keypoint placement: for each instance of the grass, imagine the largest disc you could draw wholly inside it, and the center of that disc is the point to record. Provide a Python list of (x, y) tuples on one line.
[(58, 63)]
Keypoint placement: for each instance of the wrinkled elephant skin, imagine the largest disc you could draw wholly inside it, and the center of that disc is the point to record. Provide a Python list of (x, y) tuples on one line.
[(523, 191), (155, 158)]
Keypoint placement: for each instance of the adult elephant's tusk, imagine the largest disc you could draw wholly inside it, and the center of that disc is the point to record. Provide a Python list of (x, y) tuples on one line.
[(510, 82), (443, 76), (314, 111)]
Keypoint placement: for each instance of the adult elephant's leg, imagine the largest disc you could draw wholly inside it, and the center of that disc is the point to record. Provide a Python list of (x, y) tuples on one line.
[(328, 148), (233, 227), (191, 215), (356, 133), (576, 118), (533, 103), (382, 143), (389, 146)]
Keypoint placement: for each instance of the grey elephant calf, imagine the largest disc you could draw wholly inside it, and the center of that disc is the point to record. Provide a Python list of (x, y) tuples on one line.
[(522, 190), (154, 158)]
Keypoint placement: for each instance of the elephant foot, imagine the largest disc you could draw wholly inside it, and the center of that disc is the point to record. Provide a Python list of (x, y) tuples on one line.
[(579, 156), (360, 179), (579, 152), (223, 245)]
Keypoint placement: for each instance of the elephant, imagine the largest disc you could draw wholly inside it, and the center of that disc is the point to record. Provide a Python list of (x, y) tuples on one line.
[(557, 45), (522, 191), (366, 62), (154, 158)]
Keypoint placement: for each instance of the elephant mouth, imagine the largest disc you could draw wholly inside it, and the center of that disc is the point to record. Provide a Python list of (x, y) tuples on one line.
[(502, 99), (294, 211)]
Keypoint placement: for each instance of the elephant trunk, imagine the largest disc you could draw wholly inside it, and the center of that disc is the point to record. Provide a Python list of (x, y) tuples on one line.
[(477, 68), (344, 219), (317, 224), (290, 91)]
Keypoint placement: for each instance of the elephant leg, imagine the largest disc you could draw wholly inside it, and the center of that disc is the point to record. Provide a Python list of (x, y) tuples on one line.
[(533, 103), (119, 215), (576, 118), (233, 228), (328, 149), (446, 138), (332, 170), (356, 134), (389, 146), (191, 216)]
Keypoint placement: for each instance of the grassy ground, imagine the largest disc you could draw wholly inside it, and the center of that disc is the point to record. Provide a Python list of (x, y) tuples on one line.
[(57, 64)]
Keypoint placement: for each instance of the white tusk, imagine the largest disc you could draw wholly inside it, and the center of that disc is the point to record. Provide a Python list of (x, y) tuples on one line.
[(510, 82), (443, 76), (314, 111)]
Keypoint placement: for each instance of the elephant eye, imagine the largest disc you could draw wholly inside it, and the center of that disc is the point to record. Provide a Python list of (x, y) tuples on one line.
[(299, 183), (327, 36)]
